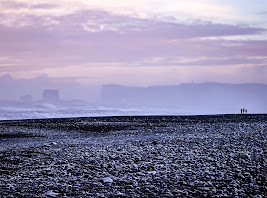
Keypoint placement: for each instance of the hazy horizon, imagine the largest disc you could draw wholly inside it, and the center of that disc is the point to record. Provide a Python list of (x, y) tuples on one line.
[(13, 89)]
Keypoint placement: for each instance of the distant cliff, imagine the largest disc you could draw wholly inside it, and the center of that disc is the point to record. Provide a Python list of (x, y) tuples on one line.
[(189, 96)]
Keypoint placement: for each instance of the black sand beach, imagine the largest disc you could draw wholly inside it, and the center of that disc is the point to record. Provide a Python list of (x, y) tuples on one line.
[(146, 156)]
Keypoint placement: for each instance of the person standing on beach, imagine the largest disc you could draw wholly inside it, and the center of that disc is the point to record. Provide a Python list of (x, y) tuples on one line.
[(241, 111)]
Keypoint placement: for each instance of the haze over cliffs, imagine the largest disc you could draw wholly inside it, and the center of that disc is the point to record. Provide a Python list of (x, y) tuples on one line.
[(187, 98), (191, 97)]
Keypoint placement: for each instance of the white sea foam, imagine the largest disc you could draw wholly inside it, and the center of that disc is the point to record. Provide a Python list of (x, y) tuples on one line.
[(66, 111), (53, 111)]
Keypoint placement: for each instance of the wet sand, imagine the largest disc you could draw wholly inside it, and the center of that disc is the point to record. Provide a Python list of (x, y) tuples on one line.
[(146, 156)]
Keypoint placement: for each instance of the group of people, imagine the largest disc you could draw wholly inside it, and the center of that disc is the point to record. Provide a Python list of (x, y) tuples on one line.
[(244, 111)]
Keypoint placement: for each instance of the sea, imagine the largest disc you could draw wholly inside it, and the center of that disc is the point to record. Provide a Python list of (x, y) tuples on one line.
[(53, 111)]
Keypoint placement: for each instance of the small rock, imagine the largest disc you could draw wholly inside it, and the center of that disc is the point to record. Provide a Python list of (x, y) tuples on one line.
[(155, 142), (51, 193), (120, 194), (107, 180)]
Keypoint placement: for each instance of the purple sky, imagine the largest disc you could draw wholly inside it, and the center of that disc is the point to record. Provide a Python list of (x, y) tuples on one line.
[(145, 42)]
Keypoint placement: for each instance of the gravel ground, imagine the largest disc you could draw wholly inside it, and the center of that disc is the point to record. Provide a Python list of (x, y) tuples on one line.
[(157, 156)]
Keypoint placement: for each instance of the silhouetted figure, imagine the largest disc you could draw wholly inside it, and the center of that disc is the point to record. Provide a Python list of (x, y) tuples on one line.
[(241, 111), (246, 111)]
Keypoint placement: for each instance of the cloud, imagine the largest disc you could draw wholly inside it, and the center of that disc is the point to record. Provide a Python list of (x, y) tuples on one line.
[(204, 61), (226, 61), (12, 5), (96, 38), (18, 7), (263, 13), (89, 25), (44, 6), (142, 8)]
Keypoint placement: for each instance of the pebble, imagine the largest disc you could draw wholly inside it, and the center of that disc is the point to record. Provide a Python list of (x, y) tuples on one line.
[(51, 193), (207, 157), (107, 180)]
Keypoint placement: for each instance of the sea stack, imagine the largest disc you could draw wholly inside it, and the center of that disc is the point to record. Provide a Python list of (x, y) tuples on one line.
[(51, 96)]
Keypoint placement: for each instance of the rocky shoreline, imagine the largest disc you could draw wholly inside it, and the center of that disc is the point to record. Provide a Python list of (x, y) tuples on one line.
[(146, 156)]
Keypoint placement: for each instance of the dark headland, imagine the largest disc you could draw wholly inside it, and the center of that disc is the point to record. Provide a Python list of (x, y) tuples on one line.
[(139, 156)]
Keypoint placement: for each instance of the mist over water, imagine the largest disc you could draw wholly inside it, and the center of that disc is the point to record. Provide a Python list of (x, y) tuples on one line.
[(45, 97)]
